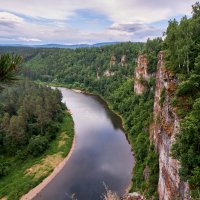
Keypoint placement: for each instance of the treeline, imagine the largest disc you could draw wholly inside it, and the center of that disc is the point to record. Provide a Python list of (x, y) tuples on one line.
[(29, 119), (182, 45), (84, 65)]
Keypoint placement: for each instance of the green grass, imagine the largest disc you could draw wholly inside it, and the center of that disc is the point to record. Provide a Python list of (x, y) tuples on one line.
[(17, 183)]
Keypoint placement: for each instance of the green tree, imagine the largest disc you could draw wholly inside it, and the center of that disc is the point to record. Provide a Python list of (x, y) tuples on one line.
[(8, 68), (37, 145)]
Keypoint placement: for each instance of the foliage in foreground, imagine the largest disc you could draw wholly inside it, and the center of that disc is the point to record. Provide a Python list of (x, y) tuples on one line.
[(8, 68)]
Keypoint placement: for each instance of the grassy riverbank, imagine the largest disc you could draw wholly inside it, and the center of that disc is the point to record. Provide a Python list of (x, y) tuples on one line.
[(29, 173)]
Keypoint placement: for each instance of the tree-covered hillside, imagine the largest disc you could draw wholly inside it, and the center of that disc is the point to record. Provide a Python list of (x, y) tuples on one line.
[(82, 65), (90, 69)]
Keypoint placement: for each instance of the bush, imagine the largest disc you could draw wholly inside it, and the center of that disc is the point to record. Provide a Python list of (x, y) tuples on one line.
[(21, 154), (185, 88), (37, 145), (4, 167), (189, 87), (52, 131)]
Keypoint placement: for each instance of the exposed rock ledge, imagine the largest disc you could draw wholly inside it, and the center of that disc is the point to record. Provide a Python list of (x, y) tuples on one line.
[(133, 196)]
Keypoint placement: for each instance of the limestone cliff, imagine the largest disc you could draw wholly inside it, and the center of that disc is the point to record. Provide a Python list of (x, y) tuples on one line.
[(112, 60), (164, 127), (123, 60), (141, 74)]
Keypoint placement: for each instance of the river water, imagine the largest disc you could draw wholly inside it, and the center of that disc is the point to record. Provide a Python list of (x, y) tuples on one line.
[(101, 158)]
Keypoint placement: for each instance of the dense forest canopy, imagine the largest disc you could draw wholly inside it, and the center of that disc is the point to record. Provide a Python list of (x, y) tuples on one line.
[(30, 115), (28, 110)]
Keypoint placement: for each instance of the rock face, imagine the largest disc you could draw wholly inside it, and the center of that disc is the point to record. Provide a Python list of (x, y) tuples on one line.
[(165, 126), (133, 196), (140, 74), (113, 60), (108, 73), (123, 60)]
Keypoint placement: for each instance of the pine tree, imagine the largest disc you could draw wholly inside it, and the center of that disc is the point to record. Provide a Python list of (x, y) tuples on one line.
[(8, 68)]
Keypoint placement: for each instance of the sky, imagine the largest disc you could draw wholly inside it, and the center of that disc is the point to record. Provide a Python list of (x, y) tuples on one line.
[(87, 21)]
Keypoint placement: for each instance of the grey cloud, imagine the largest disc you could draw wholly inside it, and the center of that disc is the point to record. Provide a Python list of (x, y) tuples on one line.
[(137, 31), (131, 28), (7, 24)]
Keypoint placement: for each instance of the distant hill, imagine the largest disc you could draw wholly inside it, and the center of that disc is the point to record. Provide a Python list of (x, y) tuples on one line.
[(73, 46)]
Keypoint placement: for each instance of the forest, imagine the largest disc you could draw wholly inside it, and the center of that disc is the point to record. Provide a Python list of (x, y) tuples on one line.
[(30, 115), (32, 118)]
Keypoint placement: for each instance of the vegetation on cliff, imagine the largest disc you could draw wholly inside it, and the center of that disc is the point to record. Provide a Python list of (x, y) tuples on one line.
[(182, 46)]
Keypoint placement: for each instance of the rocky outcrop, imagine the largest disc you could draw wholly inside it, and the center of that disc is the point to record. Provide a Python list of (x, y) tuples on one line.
[(108, 73), (141, 74), (166, 125), (112, 60), (123, 60), (133, 196)]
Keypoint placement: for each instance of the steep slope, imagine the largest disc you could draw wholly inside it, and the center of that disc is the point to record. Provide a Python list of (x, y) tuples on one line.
[(165, 127), (140, 74)]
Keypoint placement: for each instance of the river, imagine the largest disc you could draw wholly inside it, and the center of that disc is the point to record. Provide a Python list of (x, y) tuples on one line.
[(101, 158)]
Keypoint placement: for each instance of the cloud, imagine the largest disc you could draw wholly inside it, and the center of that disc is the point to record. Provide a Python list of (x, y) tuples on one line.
[(136, 31), (9, 17), (29, 39), (9, 20), (139, 11), (17, 39), (118, 11), (132, 27), (48, 21)]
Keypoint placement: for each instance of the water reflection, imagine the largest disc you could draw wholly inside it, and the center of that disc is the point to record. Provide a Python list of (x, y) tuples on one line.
[(102, 153)]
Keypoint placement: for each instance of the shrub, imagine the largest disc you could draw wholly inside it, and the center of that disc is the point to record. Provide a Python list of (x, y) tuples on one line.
[(22, 154), (52, 130), (4, 167), (37, 145), (189, 87)]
